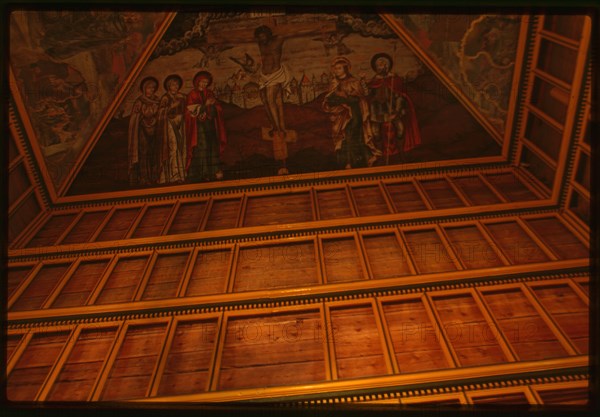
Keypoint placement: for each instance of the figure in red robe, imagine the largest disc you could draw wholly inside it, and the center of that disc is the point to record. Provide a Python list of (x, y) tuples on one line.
[(392, 110), (205, 131)]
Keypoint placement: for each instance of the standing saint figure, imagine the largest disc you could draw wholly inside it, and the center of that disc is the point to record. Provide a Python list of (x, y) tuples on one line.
[(347, 103), (171, 129), (274, 79), (392, 110), (205, 131), (143, 141)]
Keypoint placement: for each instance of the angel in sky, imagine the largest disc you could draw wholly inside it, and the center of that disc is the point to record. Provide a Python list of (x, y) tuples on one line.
[(211, 52)]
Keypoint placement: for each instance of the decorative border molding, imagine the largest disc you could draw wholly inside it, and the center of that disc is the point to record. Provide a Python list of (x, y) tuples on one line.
[(580, 126), (529, 372), (523, 88), (215, 238), (286, 300), (17, 130), (567, 376), (287, 182)]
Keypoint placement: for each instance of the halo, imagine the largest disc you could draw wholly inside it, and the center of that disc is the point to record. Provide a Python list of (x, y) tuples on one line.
[(147, 80), (381, 55), (341, 60), (170, 78), (203, 74)]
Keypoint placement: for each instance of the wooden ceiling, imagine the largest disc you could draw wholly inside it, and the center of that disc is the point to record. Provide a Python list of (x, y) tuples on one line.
[(305, 288)]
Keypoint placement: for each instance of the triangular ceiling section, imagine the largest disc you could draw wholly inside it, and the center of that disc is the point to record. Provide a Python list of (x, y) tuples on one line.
[(476, 52), (68, 67), (428, 124)]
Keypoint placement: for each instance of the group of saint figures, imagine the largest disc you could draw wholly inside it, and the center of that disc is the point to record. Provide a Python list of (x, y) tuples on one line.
[(367, 116), (176, 137)]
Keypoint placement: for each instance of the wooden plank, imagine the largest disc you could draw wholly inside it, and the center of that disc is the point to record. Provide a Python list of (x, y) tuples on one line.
[(12, 341), (136, 221), (165, 276), (276, 266), (494, 326), (558, 61), (209, 273), (558, 237), (51, 230), (18, 183), (585, 286), (218, 352), (159, 365), (565, 396), (441, 194), (132, 369), (25, 219), (13, 150), (405, 197), (81, 284), (153, 221), (357, 342), (568, 311), (314, 207), (141, 285), (189, 358), (83, 365), (19, 349), (15, 277), (278, 209), (565, 26), (515, 243), (439, 400), (34, 365), (119, 224), (543, 135), (324, 331), (467, 330), (415, 339), (271, 350), (369, 201), (472, 248), (511, 187), (103, 223), (123, 280), (333, 204), (385, 256), (40, 288), (428, 252), (223, 214), (476, 191), (86, 226), (525, 330), (463, 198), (511, 399), (342, 260), (549, 100), (554, 328), (171, 218), (188, 218), (68, 229), (383, 327), (448, 247)]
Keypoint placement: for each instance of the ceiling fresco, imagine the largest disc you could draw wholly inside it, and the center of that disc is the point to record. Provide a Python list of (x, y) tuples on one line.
[(68, 65), (477, 52), (230, 96)]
